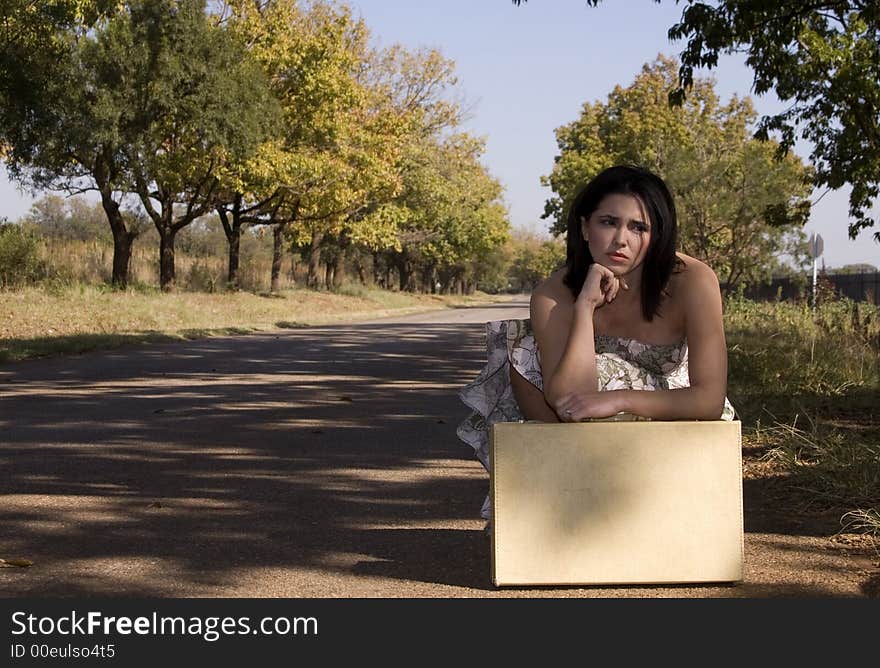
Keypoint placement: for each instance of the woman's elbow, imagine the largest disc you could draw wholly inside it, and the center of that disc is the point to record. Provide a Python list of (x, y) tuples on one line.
[(712, 407)]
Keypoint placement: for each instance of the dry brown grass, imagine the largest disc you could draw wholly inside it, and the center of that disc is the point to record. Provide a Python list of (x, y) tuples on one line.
[(38, 321)]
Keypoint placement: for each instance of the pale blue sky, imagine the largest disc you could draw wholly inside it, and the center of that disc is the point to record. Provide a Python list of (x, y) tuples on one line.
[(527, 70)]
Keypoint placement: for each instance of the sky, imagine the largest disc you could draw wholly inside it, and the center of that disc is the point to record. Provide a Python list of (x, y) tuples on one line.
[(524, 71)]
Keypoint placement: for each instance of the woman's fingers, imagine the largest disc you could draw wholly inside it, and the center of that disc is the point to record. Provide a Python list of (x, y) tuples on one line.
[(614, 287), (579, 407), (601, 285), (610, 285)]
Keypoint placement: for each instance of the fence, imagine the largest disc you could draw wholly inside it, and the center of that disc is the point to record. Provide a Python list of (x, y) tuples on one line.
[(858, 287)]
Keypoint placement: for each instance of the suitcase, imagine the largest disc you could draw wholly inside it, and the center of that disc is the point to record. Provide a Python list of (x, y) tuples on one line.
[(616, 503)]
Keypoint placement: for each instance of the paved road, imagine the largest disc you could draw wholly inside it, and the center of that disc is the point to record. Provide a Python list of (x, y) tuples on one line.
[(312, 462)]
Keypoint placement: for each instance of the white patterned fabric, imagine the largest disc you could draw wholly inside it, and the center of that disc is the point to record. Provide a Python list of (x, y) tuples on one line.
[(621, 364)]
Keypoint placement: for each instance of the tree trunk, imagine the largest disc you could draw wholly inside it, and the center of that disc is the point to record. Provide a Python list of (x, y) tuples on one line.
[(328, 275), (338, 265), (166, 259), (405, 274), (122, 240), (314, 260), (232, 229), (380, 277), (233, 277), (291, 275), (277, 255)]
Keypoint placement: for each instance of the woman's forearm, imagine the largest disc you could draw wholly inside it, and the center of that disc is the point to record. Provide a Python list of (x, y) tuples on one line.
[(686, 403), (576, 371)]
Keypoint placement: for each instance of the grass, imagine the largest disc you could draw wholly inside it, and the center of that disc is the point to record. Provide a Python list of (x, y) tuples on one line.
[(830, 464), (861, 520), (36, 322), (806, 384)]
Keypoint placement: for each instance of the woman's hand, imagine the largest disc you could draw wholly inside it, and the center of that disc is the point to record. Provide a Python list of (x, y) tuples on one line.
[(600, 287), (578, 407)]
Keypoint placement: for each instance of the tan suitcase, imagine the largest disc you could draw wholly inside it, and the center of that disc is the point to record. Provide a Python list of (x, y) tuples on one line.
[(644, 502)]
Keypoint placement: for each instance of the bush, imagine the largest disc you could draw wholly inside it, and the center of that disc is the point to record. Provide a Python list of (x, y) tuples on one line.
[(19, 256)]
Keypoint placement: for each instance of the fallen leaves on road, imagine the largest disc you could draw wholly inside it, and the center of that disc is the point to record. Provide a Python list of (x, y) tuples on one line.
[(15, 563)]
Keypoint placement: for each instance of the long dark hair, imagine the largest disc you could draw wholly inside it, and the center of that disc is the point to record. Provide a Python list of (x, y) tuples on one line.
[(660, 259)]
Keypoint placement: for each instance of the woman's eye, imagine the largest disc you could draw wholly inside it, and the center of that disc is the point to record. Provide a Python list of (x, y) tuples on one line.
[(641, 228)]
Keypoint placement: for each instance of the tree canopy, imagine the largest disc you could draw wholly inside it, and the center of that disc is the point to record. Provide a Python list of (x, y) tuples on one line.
[(823, 58), (739, 209), (276, 113)]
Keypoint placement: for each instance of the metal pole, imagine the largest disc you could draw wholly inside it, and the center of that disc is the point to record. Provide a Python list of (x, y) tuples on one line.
[(814, 283)]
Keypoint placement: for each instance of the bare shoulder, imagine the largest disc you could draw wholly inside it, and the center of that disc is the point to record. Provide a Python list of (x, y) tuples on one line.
[(552, 290), (692, 278)]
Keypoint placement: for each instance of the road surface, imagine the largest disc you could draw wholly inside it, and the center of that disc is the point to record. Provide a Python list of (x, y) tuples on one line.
[(313, 462)]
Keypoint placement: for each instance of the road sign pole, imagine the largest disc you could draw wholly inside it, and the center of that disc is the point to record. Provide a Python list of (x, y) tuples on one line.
[(816, 246), (814, 283)]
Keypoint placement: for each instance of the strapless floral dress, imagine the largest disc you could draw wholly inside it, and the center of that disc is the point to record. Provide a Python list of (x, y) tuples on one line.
[(621, 364)]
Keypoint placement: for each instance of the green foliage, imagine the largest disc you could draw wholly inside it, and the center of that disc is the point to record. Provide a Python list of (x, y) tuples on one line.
[(19, 256), (192, 104), (739, 209), (36, 39), (534, 260), (821, 58), (452, 221), (275, 113), (188, 104)]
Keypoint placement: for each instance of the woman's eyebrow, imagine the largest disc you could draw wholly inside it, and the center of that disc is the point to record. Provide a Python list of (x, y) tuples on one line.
[(609, 216)]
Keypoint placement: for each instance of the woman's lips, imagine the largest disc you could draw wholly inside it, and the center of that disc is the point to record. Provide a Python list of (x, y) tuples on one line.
[(617, 257)]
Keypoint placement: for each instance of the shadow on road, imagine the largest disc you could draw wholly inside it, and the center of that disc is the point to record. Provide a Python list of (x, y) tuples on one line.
[(263, 451), (305, 456)]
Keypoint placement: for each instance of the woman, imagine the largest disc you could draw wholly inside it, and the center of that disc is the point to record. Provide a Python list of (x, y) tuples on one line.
[(626, 313)]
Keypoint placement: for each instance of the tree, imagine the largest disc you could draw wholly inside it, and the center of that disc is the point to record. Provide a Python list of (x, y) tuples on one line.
[(858, 268), (142, 97), (337, 150), (534, 260), (822, 57), (56, 130), (72, 219), (451, 215), (739, 207), (191, 109)]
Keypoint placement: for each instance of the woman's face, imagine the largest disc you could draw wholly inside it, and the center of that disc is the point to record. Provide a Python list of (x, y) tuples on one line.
[(618, 233)]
